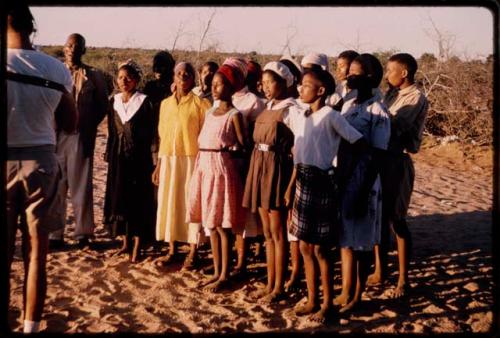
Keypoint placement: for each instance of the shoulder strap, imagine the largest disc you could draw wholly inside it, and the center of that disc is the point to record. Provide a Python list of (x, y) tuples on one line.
[(36, 81)]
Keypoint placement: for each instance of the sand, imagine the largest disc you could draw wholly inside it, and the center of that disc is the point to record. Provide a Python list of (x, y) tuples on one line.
[(451, 272)]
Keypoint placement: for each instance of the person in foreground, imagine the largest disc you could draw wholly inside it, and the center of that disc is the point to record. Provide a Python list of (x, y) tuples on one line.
[(38, 93)]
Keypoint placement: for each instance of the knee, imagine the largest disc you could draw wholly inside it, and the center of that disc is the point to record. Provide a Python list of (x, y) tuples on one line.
[(305, 249), (319, 252)]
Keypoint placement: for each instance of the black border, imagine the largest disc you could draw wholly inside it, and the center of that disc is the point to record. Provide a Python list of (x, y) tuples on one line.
[(492, 5)]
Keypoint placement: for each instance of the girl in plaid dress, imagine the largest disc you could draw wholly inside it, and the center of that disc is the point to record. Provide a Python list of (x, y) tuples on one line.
[(317, 133), (216, 186)]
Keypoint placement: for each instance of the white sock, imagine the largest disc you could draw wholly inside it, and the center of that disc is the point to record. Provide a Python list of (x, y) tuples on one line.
[(31, 326)]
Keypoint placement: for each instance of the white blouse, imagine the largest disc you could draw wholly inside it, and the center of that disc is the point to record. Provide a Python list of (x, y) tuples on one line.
[(127, 110), (317, 136)]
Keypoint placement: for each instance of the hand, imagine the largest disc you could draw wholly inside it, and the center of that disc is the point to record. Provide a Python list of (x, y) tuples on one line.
[(288, 197), (155, 177)]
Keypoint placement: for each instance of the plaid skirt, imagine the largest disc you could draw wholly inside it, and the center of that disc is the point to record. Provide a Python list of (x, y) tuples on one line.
[(315, 207)]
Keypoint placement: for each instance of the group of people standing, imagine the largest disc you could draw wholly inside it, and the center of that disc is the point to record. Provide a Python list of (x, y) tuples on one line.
[(280, 151)]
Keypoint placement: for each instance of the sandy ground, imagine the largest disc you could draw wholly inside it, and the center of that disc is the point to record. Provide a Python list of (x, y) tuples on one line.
[(451, 272)]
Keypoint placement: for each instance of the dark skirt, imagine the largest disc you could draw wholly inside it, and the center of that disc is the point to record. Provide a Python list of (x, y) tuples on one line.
[(315, 208)]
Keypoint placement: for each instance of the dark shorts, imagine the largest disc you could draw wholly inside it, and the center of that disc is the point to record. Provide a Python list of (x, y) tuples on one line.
[(397, 176), (32, 178), (315, 208)]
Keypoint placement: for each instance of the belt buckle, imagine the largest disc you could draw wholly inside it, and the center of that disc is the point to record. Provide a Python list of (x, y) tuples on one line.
[(263, 147)]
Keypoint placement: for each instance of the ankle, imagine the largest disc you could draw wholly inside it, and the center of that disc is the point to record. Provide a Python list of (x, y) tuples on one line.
[(31, 326)]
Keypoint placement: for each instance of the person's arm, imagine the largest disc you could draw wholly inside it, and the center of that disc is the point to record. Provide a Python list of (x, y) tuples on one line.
[(237, 120), (408, 115), (289, 193), (66, 114), (155, 177)]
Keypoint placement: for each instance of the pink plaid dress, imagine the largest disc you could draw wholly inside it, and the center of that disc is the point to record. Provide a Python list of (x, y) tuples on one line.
[(216, 188)]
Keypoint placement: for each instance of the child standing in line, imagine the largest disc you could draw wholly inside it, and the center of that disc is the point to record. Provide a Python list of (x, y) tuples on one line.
[(292, 283), (250, 106), (408, 108), (360, 189), (205, 76), (181, 119), (129, 193), (254, 76), (216, 186), (269, 175), (342, 64), (317, 134)]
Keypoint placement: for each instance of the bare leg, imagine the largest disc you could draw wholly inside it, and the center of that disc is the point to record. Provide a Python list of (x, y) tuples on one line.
[(293, 282), (376, 277), (277, 221), (135, 250), (124, 247), (36, 287), (361, 267), (190, 259), (403, 238), (169, 257), (326, 284), (270, 257), (218, 284), (307, 251), (216, 256), (241, 253), (346, 257)]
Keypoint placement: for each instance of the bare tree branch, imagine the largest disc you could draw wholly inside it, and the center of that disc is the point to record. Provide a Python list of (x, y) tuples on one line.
[(205, 31), (180, 32)]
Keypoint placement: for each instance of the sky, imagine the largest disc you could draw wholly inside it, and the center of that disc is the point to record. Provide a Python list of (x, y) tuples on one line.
[(266, 30)]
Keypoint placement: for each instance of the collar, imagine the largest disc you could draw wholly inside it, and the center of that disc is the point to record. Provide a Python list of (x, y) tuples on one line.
[(127, 110)]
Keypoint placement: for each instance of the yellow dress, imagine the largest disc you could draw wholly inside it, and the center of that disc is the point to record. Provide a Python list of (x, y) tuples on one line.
[(178, 128)]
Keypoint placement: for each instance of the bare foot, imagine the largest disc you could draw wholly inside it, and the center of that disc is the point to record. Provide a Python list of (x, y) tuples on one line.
[(306, 309), (351, 306), (257, 294), (189, 262), (292, 284), (207, 281), (217, 286), (341, 300), (273, 297), (374, 279), (320, 316), (239, 272), (165, 260), (400, 291), (120, 251)]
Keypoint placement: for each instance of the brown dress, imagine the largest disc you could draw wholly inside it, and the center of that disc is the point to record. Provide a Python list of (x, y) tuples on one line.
[(269, 171)]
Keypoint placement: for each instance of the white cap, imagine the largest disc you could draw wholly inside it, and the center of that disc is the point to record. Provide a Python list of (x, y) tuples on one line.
[(316, 59), (292, 60), (281, 70)]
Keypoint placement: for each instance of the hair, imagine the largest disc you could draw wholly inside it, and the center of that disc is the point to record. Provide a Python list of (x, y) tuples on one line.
[(79, 38), (213, 66), (164, 58), (297, 74), (407, 61), (372, 68), (325, 78), (349, 55), (281, 81), (131, 71), (21, 19), (313, 67)]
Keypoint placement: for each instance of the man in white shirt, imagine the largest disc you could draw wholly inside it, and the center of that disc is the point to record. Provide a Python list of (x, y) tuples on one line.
[(37, 96)]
